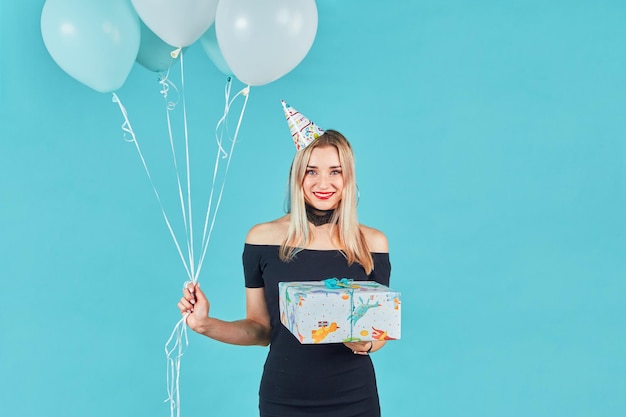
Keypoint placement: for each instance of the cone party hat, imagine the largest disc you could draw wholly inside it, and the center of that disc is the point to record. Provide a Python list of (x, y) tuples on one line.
[(302, 129)]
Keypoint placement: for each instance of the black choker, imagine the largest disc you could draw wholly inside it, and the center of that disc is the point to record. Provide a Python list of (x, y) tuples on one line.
[(318, 217)]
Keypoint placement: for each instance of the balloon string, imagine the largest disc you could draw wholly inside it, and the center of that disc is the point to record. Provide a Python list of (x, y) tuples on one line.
[(188, 171), (221, 124), (127, 128), (175, 346), (174, 350), (246, 93), (170, 106), (166, 84), (221, 153)]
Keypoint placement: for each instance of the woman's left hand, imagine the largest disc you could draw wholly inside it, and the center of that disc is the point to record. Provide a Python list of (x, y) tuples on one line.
[(360, 348)]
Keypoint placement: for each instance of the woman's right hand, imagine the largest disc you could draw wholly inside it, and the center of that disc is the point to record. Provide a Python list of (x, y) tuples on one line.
[(194, 303), (255, 329)]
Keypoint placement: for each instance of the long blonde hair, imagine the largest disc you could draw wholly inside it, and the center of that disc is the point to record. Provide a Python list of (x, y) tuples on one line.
[(351, 240)]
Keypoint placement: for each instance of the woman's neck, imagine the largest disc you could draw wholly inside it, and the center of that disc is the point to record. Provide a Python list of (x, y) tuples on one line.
[(318, 217)]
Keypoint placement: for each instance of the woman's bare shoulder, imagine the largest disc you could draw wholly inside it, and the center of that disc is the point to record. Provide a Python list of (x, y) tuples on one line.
[(270, 233), (376, 240)]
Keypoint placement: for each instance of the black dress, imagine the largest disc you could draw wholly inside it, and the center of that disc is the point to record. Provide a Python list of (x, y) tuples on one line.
[(311, 380)]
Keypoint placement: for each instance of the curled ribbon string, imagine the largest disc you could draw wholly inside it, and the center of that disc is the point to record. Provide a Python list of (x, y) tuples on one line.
[(221, 153), (178, 340), (166, 84), (127, 128), (221, 124), (245, 92), (170, 106)]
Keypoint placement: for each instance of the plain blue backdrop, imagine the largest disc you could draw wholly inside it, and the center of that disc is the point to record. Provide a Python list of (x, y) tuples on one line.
[(490, 149)]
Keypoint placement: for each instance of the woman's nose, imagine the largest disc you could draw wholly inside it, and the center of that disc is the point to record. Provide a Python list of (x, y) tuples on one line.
[(323, 181)]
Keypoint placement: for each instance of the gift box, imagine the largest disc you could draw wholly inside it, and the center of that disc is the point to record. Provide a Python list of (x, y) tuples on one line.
[(334, 311)]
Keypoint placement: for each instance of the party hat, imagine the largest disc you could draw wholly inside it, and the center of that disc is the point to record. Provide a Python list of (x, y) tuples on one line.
[(302, 129)]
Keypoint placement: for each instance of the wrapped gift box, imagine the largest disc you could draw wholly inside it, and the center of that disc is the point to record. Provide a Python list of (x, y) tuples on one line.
[(316, 312)]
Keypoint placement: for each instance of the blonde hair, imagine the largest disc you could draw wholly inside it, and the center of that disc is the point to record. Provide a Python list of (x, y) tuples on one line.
[(351, 240)]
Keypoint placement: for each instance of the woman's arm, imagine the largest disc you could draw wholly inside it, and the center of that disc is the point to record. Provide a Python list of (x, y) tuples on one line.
[(376, 242), (253, 330)]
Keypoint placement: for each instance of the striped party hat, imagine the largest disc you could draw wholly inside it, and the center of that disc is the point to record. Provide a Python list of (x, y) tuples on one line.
[(302, 129)]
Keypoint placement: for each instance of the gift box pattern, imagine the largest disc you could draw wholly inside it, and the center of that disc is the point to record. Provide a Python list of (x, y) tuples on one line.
[(315, 313)]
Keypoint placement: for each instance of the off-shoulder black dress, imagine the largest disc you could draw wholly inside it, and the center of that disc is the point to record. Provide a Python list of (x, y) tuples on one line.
[(311, 380)]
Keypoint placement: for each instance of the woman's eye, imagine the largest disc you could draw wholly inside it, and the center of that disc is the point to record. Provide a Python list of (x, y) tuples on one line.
[(335, 172), (310, 172)]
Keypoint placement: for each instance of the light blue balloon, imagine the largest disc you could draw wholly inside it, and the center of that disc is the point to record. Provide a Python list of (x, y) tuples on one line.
[(154, 53), (209, 43), (94, 41)]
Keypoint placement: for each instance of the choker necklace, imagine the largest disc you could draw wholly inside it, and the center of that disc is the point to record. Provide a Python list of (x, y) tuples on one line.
[(318, 217)]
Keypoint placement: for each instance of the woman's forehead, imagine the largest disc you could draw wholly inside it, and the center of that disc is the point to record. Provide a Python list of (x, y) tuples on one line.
[(324, 155)]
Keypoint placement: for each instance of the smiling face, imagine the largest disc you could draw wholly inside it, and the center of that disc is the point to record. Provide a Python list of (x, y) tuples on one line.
[(323, 180)]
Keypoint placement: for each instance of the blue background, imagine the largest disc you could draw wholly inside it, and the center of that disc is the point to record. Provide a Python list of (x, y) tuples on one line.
[(490, 149)]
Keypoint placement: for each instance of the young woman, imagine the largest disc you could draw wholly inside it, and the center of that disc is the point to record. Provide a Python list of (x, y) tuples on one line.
[(319, 238)]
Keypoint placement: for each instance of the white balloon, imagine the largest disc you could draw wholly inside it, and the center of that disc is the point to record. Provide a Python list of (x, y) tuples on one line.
[(177, 22), (263, 40)]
